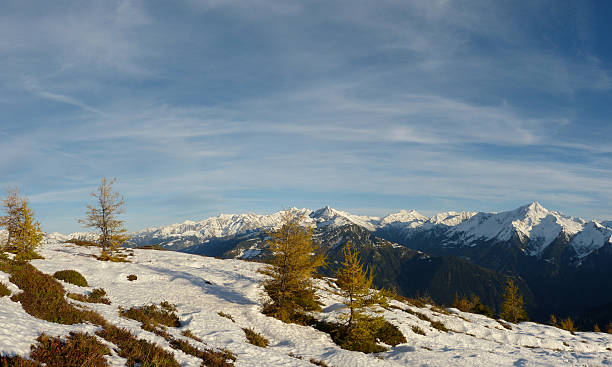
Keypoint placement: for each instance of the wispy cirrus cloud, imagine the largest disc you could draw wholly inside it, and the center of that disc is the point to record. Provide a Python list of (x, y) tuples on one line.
[(241, 106)]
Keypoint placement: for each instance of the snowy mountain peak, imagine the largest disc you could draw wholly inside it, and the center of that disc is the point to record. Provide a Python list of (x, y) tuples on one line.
[(328, 216), (325, 212), (404, 216), (533, 210), (451, 218), (535, 226)]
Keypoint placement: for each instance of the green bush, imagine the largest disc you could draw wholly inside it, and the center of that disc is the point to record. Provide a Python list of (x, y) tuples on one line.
[(96, 296), (72, 277), (10, 266), (4, 291), (386, 332), (17, 362), (137, 351), (43, 298), (255, 338), (153, 315), (78, 350), (350, 340), (27, 256)]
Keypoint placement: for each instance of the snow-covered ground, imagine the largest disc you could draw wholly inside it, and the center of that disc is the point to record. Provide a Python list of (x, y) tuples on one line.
[(202, 286)]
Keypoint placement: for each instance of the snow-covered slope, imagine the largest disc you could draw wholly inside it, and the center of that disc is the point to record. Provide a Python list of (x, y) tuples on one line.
[(590, 238), (201, 287)]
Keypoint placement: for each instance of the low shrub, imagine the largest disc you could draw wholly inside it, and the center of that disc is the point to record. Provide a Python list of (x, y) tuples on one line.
[(157, 330), (414, 302), (27, 255), (43, 298), (96, 296), (318, 362), (10, 266), (152, 247), (132, 277), (255, 338), (505, 324), (418, 330), (153, 315), (118, 258), (439, 326), (79, 242), (137, 351), (4, 291), (77, 350), (72, 277), (191, 335), (209, 357), (361, 340), (386, 332), (227, 316), (421, 316), (170, 307), (17, 361)]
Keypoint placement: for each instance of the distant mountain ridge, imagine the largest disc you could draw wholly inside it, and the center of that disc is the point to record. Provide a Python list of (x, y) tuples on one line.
[(535, 227)]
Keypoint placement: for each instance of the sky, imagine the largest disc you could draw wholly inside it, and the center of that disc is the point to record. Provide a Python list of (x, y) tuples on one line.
[(202, 107)]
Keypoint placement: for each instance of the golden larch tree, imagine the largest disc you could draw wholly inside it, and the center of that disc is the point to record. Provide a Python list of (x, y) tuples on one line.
[(294, 259), (24, 233), (103, 217), (513, 309), (355, 285)]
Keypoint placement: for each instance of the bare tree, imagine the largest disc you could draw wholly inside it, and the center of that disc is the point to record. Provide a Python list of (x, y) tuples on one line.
[(10, 221), (103, 216)]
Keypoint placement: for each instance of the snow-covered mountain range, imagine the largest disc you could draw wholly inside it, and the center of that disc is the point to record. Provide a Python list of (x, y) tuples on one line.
[(534, 226)]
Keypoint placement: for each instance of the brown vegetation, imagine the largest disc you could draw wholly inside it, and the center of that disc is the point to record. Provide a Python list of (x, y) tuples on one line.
[(96, 296), (78, 350), (255, 338), (152, 315), (43, 297)]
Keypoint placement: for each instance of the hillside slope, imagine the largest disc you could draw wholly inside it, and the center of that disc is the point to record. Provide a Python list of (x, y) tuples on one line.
[(201, 287)]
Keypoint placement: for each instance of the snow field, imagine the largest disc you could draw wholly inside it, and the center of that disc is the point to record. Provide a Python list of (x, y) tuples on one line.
[(201, 287)]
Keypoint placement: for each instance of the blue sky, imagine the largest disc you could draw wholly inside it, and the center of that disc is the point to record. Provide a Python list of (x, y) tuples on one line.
[(207, 107)]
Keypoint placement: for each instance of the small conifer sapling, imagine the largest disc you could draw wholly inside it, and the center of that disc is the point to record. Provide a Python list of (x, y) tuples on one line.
[(513, 309)]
